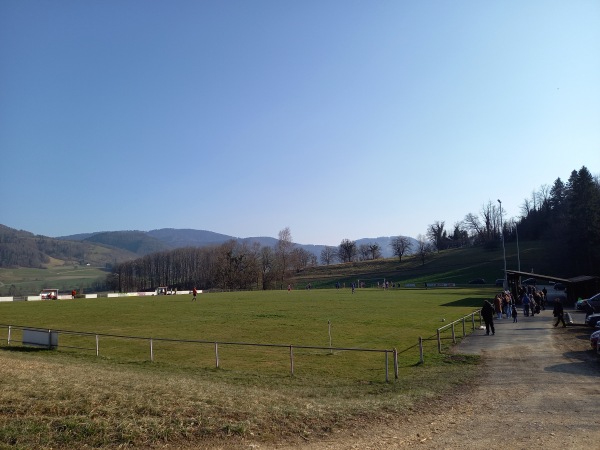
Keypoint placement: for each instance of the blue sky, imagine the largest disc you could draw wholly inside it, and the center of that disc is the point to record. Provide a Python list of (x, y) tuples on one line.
[(337, 119)]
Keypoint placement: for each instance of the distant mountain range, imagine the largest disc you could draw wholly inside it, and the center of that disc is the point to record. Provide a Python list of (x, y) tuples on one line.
[(20, 248), (144, 242)]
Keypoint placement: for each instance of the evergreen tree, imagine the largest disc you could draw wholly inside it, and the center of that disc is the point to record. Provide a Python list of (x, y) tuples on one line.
[(584, 220)]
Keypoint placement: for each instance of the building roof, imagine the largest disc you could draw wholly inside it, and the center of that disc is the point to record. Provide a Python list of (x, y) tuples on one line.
[(538, 275)]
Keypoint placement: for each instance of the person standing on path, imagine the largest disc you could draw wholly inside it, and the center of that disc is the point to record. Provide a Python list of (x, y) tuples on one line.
[(514, 315), (525, 302), (559, 313), (487, 313), (498, 306)]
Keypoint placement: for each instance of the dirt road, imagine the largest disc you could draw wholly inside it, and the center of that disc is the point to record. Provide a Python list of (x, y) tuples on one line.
[(540, 389)]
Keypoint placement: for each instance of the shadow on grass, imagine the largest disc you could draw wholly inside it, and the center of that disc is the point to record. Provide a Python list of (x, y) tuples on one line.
[(24, 349), (474, 302)]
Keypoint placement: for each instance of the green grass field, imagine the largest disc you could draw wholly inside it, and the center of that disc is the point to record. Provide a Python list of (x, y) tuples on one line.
[(369, 319), (71, 398)]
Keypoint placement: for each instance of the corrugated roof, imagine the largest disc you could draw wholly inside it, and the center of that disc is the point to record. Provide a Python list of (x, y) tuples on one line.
[(538, 275)]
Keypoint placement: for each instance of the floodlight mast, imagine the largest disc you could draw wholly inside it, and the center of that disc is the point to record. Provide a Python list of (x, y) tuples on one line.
[(518, 253), (503, 247)]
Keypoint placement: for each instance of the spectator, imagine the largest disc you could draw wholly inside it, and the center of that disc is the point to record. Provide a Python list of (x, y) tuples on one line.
[(487, 313), (498, 306), (559, 313), (525, 302)]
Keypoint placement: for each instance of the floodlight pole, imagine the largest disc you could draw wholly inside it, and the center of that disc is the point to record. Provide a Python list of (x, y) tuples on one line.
[(503, 248), (518, 255)]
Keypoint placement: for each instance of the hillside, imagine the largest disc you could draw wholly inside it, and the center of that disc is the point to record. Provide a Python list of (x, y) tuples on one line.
[(20, 248), (138, 242), (450, 266)]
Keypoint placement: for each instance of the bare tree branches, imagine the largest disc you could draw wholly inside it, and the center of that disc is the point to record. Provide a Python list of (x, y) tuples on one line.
[(400, 246)]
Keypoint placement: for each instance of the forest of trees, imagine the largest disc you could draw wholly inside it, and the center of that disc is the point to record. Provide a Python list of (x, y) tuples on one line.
[(565, 215), (233, 265)]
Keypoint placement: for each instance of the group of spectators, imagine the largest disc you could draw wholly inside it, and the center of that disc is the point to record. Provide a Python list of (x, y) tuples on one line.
[(533, 300), (504, 305)]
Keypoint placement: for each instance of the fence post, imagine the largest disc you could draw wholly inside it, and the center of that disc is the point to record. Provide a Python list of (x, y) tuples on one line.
[(453, 334), (439, 341), (49, 339), (464, 329), (473, 320), (387, 378), (151, 350), (395, 363), (217, 354), (97, 346), (292, 360), (9, 330), (329, 326), (421, 350)]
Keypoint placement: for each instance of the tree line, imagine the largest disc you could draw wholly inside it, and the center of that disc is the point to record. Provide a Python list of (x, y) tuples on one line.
[(233, 265), (567, 215)]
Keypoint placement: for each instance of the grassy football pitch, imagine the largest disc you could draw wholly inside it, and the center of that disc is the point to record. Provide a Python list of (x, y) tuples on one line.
[(368, 319), (70, 398)]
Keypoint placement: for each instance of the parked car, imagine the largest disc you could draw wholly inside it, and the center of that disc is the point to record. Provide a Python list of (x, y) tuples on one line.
[(559, 287), (594, 301), (594, 339), (579, 304), (477, 281), (529, 281), (592, 320)]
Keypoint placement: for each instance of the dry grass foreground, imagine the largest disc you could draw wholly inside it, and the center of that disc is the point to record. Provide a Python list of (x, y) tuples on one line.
[(54, 400)]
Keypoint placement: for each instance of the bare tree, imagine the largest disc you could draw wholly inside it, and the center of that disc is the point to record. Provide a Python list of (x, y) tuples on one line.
[(299, 258), (544, 197), (526, 207), (347, 250), (267, 262), (375, 251), (460, 236), (283, 249), (436, 234), (363, 252), (424, 248), (400, 246), (328, 254)]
